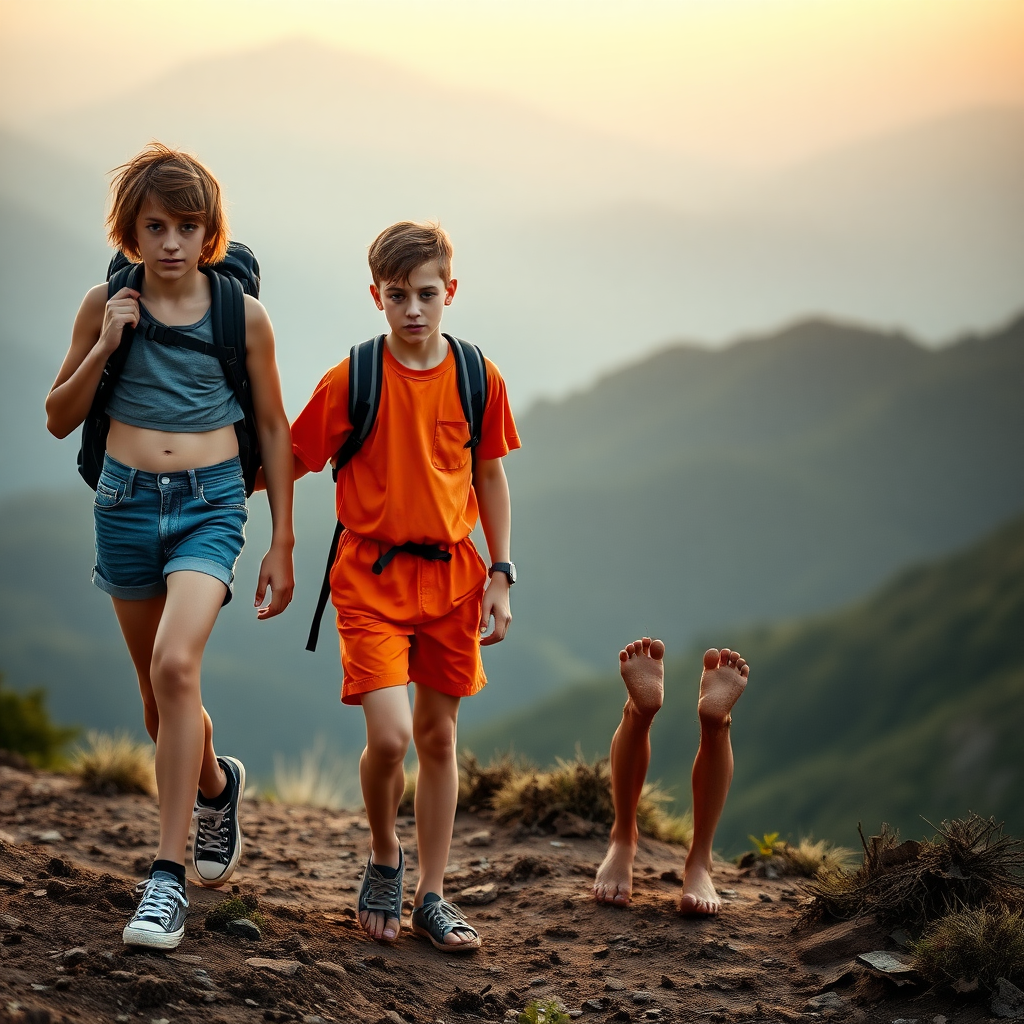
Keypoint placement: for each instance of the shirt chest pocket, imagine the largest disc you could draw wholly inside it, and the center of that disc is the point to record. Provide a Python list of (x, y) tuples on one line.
[(450, 451)]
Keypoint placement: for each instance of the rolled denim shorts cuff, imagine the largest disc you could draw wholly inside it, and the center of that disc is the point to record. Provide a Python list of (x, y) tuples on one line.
[(189, 563), (143, 593)]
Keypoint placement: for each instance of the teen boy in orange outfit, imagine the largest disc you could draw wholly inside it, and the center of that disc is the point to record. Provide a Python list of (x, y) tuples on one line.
[(411, 618)]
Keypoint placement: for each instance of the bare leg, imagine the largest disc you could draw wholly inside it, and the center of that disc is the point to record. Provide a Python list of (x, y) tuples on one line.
[(191, 607), (721, 684), (437, 792), (139, 621), (643, 671), (382, 777)]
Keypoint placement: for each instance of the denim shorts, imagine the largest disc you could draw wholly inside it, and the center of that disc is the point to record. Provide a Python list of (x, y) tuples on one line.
[(149, 525)]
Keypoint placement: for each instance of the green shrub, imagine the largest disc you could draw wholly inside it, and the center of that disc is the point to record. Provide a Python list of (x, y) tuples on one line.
[(233, 909), (546, 1012), (26, 729)]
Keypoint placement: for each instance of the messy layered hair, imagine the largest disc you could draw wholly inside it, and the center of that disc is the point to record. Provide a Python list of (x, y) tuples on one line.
[(180, 184), (398, 250)]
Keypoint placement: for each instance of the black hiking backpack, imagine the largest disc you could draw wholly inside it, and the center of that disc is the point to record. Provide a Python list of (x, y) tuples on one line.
[(365, 378), (236, 276)]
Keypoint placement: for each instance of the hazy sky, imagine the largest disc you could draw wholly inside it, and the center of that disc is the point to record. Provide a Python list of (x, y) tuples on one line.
[(755, 82)]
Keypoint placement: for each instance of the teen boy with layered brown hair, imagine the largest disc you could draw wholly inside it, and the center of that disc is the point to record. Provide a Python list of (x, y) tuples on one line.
[(414, 618)]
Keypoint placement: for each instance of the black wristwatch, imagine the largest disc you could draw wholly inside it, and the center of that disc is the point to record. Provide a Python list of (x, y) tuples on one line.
[(508, 568)]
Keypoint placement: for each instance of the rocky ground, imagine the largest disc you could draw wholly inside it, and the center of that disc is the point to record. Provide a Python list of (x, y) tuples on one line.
[(69, 861)]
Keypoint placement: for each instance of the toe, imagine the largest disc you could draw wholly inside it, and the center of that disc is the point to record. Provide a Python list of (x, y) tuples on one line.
[(646, 644), (657, 650), (711, 658), (623, 655), (745, 671)]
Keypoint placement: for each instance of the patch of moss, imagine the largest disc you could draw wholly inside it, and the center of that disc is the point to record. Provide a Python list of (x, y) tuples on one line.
[(546, 1012), (233, 908)]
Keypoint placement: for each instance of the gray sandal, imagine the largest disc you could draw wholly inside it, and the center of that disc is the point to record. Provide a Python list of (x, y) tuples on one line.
[(437, 918), (378, 894)]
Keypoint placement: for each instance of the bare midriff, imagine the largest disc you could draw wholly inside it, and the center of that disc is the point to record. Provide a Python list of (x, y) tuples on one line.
[(162, 451)]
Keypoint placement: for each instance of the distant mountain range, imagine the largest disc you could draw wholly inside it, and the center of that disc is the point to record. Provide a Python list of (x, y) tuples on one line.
[(577, 253), (903, 707), (684, 496)]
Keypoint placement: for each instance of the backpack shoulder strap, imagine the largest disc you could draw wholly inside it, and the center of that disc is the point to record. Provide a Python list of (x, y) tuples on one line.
[(471, 372), (365, 378)]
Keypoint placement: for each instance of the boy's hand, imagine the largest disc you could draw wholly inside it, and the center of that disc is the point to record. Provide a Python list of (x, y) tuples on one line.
[(495, 604), (276, 572), (121, 310)]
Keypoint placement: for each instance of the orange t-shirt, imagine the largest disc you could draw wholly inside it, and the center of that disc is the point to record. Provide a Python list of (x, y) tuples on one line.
[(412, 479)]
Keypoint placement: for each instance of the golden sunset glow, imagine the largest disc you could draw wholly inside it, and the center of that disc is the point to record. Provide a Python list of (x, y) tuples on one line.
[(753, 82)]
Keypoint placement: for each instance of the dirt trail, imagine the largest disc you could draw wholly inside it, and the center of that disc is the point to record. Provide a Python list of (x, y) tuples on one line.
[(69, 861)]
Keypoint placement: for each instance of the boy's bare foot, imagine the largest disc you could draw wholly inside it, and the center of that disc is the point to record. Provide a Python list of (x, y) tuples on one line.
[(699, 897), (614, 880), (642, 667), (721, 683)]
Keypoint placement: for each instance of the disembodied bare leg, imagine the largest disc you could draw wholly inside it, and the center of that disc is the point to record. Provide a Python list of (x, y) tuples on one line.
[(642, 667), (721, 684)]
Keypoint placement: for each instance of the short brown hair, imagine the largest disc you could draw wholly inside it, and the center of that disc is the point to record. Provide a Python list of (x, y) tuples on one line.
[(180, 184), (398, 250)]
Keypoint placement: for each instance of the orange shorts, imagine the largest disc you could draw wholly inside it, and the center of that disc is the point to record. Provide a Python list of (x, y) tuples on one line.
[(418, 621)]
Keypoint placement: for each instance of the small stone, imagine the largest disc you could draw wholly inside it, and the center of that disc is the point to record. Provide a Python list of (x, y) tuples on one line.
[(38, 893), (614, 985), (538, 981), (121, 976), (765, 898), (9, 878), (8, 923), (666, 982), (159, 1020), (727, 892), (671, 876), (288, 968), (62, 984), (888, 963), (654, 1014), (244, 928), (329, 967), (52, 836), (36, 987), (74, 956), (640, 997), (482, 838), (478, 895), (597, 1005), (251, 1002), (601, 953), (1007, 1000), (826, 1001)]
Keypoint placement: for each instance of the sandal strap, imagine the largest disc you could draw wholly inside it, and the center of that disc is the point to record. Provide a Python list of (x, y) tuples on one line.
[(442, 918), (378, 893)]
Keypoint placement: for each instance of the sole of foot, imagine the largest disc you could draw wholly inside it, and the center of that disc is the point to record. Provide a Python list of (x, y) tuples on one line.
[(642, 667), (721, 683)]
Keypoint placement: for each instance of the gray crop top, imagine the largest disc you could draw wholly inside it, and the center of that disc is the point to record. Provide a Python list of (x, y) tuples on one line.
[(165, 387)]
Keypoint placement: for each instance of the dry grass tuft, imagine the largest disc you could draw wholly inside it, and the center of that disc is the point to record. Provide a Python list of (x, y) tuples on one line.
[(969, 864), (968, 946), (318, 780), (478, 784), (773, 857), (653, 820), (407, 805), (576, 787), (114, 764)]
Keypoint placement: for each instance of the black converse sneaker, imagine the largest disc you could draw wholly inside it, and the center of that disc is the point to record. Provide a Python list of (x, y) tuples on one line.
[(159, 919), (218, 840)]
